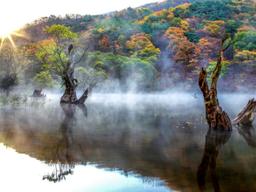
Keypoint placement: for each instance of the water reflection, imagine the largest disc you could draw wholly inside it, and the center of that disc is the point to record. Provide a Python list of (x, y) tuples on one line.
[(64, 164), (147, 146), (248, 132), (214, 140)]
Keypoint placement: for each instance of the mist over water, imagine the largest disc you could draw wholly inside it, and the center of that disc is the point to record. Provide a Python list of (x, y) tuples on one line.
[(119, 142)]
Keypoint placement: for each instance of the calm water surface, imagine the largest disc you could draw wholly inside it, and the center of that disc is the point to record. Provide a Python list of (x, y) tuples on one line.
[(137, 143)]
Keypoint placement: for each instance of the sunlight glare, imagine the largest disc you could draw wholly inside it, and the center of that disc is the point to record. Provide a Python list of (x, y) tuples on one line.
[(6, 29)]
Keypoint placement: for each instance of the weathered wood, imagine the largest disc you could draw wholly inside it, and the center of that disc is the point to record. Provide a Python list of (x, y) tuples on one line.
[(246, 116), (82, 99), (70, 82), (216, 117), (38, 93)]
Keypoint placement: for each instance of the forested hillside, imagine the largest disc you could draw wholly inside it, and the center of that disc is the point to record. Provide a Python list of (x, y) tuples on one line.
[(156, 47)]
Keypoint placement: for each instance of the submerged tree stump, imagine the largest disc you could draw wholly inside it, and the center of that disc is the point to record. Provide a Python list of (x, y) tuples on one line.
[(217, 118), (246, 116), (38, 93)]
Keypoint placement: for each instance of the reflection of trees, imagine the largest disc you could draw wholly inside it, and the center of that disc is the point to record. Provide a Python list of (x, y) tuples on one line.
[(248, 132), (64, 164), (215, 139), (60, 172)]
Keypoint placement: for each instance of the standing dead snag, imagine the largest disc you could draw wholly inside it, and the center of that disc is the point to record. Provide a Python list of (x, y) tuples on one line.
[(71, 83), (216, 117), (246, 116)]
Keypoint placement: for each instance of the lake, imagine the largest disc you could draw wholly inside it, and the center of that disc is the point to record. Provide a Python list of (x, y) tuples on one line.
[(126, 142)]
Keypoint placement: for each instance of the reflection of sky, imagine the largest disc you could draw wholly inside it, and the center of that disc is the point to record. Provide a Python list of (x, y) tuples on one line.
[(20, 172)]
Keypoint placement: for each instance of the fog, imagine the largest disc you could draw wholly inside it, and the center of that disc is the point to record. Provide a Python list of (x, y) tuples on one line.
[(148, 142)]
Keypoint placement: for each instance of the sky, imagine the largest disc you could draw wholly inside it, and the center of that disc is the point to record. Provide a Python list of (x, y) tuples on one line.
[(15, 13)]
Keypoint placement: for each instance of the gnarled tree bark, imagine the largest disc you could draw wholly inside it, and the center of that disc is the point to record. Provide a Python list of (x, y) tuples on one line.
[(246, 116), (216, 117), (71, 83)]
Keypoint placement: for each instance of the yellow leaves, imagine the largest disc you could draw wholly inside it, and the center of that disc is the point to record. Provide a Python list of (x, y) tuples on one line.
[(140, 45), (154, 17), (183, 6), (141, 22), (60, 32), (215, 28), (170, 16), (139, 41), (160, 13), (101, 30), (184, 25), (245, 55)]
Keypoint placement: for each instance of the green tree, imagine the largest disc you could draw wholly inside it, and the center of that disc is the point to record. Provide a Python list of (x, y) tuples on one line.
[(245, 40), (211, 10), (52, 52), (60, 59)]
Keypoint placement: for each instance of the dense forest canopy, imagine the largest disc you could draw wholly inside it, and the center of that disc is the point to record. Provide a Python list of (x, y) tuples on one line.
[(151, 48)]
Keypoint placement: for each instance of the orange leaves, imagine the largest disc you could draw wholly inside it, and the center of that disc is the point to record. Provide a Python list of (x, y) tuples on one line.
[(161, 13), (183, 6), (215, 28), (184, 51), (204, 42), (174, 32), (104, 41), (245, 28), (139, 41), (46, 42), (209, 47), (140, 45), (158, 16)]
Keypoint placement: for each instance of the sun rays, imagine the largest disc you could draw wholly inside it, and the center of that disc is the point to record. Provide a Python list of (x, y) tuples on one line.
[(9, 38), (6, 39)]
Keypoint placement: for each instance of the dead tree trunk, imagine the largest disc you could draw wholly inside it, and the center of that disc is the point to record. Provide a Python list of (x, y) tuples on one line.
[(38, 93), (216, 117), (71, 83), (246, 116)]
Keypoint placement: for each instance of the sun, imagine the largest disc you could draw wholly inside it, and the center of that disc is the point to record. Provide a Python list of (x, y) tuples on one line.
[(7, 32), (6, 28)]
